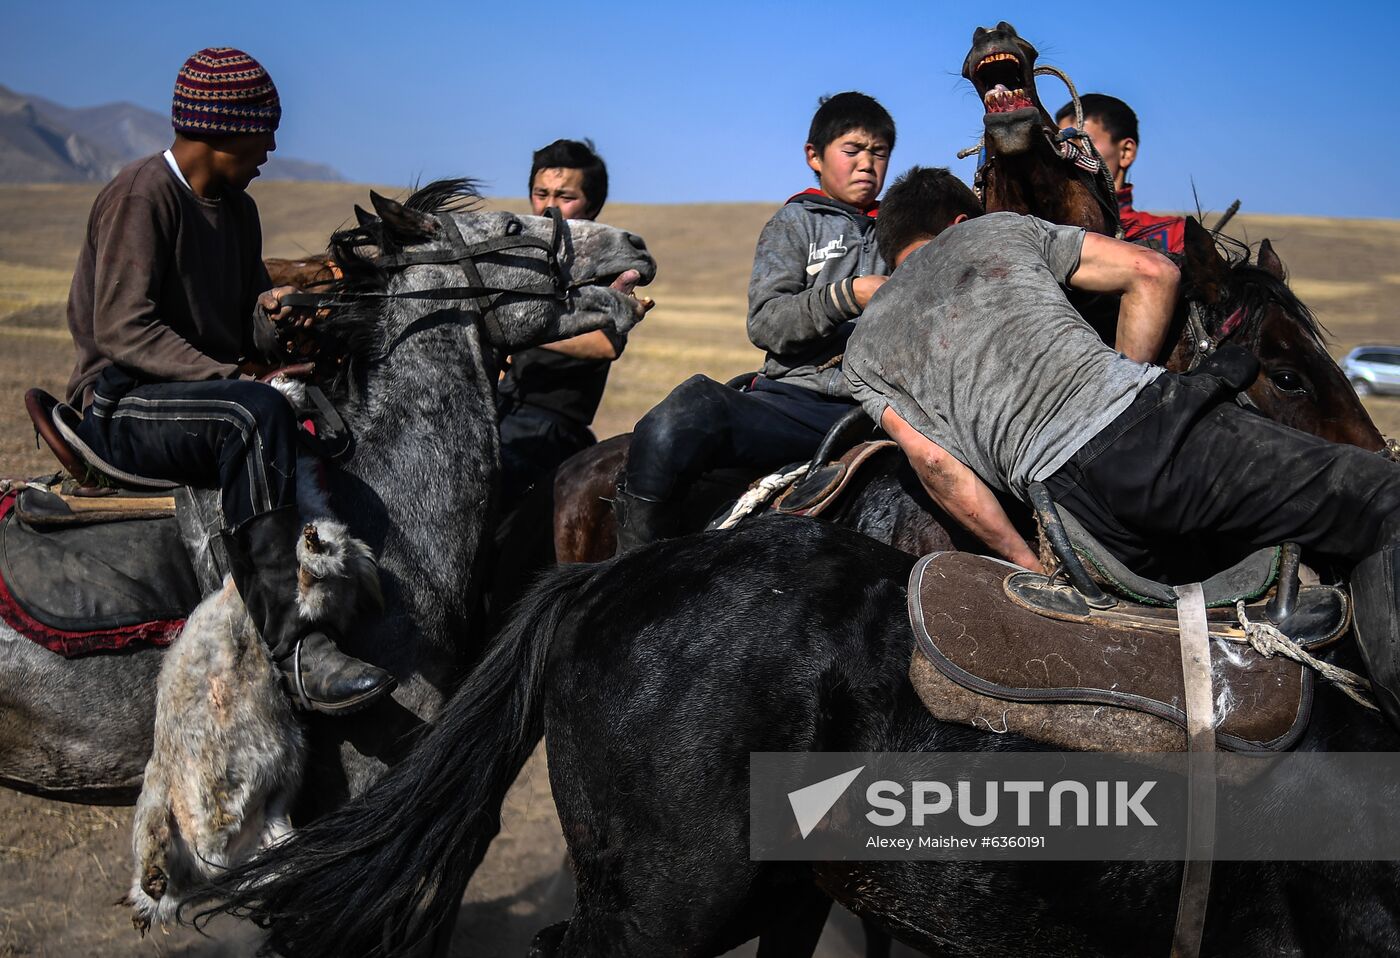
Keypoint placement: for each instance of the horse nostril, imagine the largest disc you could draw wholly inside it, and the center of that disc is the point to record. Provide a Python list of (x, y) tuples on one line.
[(636, 241)]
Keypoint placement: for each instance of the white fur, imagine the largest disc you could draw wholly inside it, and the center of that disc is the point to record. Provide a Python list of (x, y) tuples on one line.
[(294, 390), (229, 751)]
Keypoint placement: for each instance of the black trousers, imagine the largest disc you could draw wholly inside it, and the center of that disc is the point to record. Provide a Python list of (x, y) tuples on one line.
[(1185, 466), (705, 425), (238, 435), (533, 444)]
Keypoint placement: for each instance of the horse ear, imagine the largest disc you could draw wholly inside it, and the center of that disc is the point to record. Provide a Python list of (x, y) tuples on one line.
[(1269, 261), (1205, 269), (361, 217), (401, 222)]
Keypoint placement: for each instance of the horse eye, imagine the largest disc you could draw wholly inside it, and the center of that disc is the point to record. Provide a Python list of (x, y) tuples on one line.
[(514, 228), (1286, 380)]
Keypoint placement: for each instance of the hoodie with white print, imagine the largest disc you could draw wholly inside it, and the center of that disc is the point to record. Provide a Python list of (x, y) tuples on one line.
[(801, 304)]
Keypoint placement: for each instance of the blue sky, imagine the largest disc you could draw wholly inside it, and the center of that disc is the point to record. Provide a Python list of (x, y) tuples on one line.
[(1285, 105)]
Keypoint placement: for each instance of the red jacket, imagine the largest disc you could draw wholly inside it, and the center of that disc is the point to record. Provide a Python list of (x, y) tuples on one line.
[(1165, 233)]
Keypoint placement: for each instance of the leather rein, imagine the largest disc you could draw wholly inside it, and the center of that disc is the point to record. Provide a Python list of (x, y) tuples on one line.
[(483, 296)]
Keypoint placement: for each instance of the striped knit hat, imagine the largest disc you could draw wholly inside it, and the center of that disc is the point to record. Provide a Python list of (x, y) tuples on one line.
[(223, 90)]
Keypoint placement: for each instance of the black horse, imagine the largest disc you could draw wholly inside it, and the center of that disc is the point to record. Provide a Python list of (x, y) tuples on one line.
[(655, 675)]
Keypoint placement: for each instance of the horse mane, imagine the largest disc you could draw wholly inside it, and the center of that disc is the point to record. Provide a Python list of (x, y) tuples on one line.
[(1251, 288), (350, 334)]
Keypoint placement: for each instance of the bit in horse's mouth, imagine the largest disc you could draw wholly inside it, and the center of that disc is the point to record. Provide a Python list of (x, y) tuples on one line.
[(625, 283), (1002, 77)]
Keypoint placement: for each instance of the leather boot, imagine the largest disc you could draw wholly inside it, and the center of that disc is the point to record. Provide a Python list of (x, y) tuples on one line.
[(640, 522), (319, 677), (1375, 597)]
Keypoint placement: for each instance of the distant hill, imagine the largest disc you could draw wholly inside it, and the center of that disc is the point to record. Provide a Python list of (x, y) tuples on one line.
[(45, 142)]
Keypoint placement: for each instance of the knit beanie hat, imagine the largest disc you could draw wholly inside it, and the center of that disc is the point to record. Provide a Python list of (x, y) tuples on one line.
[(223, 90)]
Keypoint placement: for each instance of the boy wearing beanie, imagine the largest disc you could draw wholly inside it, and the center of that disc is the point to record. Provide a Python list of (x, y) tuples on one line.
[(164, 312)]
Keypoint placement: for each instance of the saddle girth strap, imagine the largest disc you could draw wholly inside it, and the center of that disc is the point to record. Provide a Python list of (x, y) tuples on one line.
[(1199, 701)]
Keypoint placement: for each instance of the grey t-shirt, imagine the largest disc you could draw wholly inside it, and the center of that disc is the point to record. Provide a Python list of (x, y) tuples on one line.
[(974, 344)]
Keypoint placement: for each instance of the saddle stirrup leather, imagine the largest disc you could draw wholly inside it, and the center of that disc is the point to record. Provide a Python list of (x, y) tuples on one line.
[(1199, 699)]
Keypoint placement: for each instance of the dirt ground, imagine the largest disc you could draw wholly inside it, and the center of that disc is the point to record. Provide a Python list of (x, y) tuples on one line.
[(62, 866)]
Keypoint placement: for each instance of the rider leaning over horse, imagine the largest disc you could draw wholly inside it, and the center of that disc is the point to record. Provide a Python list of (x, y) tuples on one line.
[(550, 393), (169, 351), (815, 268), (973, 360), (1113, 127)]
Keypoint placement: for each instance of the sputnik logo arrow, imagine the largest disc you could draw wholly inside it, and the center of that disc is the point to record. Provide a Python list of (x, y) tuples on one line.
[(810, 804)]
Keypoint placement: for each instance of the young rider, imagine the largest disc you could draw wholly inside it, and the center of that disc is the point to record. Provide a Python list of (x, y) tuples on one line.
[(168, 352), (548, 397), (1113, 127), (815, 268)]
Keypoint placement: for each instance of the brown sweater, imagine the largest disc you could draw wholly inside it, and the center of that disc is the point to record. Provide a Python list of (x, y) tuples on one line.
[(166, 282)]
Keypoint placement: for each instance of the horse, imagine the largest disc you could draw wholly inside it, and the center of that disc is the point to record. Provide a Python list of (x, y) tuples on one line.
[(408, 358), (654, 685), (1028, 166)]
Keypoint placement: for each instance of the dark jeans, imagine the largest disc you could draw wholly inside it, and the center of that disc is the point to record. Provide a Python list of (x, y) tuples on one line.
[(1185, 465), (705, 425), (533, 444), (237, 434)]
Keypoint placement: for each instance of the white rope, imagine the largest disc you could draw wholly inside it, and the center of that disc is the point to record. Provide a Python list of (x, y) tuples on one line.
[(1267, 640), (762, 491)]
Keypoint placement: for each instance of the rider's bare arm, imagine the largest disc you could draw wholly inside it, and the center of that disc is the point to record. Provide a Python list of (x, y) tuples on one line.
[(1147, 282), (594, 345), (959, 491)]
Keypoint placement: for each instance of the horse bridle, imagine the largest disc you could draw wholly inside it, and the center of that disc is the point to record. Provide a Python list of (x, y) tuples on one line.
[(483, 296)]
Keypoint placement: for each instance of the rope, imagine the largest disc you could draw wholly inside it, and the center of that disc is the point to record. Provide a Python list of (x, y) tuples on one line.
[(1073, 93), (762, 491), (1267, 641)]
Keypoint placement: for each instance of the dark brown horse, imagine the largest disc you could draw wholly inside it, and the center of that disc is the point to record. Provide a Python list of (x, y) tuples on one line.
[(1028, 165), (1027, 169)]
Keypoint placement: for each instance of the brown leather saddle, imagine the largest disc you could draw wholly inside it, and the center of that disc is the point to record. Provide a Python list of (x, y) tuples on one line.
[(1007, 650), (821, 487)]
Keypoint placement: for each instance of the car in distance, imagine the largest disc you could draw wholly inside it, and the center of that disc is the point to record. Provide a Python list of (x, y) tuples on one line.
[(1373, 370)]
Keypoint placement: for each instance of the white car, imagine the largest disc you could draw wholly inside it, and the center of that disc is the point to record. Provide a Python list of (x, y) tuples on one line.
[(1373, 370)]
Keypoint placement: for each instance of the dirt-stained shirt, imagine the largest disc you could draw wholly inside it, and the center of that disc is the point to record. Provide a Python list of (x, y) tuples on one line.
[(166, 282), (974, 344)]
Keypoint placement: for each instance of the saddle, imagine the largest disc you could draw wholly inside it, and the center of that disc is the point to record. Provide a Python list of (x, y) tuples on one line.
[(842, 451), (57, 424), (1007, 650), (78, 582)]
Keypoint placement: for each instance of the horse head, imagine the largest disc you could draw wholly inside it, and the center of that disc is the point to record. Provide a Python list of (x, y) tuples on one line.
[(1028, 166), (525, 279), (1299, 383)]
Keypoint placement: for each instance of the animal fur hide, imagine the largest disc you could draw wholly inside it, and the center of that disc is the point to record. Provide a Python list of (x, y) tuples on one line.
[(229, 751)]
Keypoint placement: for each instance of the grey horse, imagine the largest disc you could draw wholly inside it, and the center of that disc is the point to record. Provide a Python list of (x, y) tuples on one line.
[(415, 384)]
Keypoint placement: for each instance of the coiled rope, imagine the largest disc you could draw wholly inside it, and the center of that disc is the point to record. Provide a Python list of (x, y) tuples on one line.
[(760, 493)]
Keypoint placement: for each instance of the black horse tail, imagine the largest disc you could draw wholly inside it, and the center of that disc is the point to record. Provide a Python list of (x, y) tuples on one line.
[(379, 874)]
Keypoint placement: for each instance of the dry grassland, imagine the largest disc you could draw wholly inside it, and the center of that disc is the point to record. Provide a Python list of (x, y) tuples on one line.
[(62, 866)]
